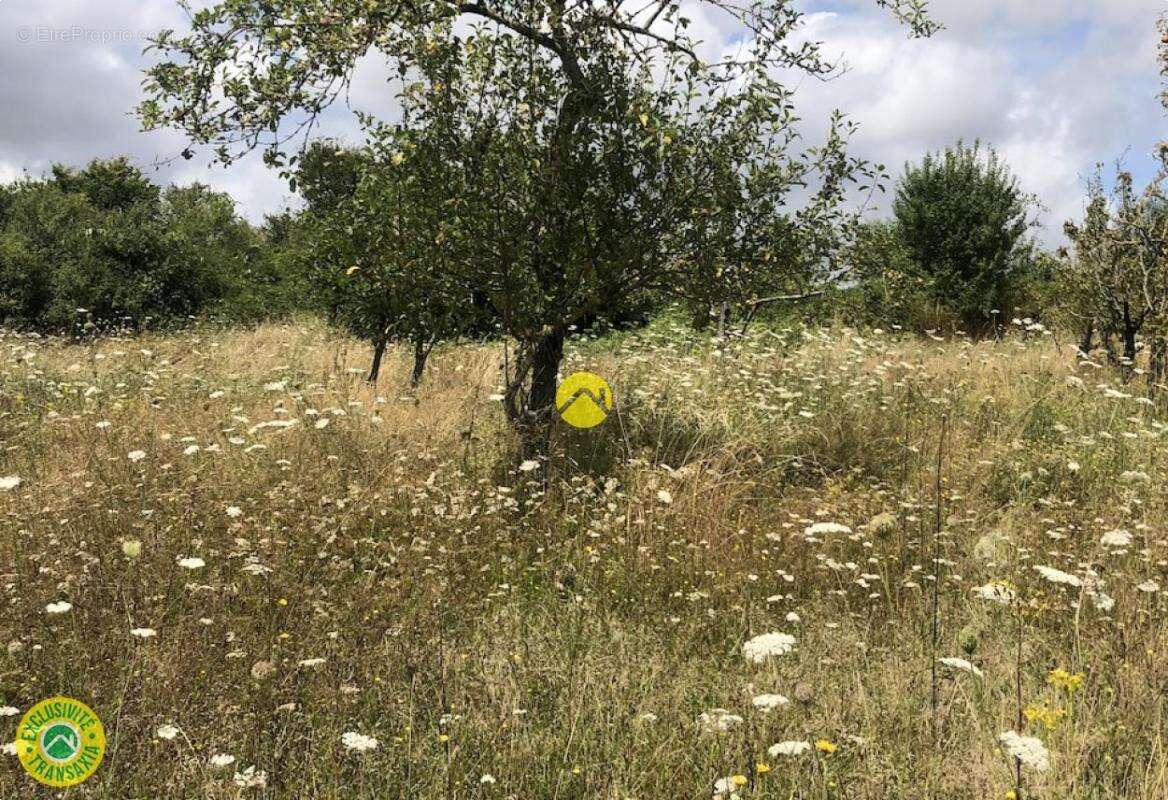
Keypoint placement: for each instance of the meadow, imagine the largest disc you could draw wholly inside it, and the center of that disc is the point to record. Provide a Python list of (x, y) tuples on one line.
[(805, 563)]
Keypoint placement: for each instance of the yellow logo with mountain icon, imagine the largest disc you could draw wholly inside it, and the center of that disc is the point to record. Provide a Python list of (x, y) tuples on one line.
[(584, 400)]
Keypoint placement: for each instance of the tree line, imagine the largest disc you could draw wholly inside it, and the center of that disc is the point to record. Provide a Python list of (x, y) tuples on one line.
[(563, 167), (103, 247)]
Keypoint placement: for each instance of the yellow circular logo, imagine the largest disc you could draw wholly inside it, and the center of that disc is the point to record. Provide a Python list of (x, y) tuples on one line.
[(60, 742), (584, 400)]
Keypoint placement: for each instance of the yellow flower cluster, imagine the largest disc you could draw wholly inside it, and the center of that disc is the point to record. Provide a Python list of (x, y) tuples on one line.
[(1044, 714), (1061, 679)]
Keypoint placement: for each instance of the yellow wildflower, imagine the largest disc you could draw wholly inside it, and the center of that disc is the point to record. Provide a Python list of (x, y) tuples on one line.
[(1049, 717), (1061, 679)]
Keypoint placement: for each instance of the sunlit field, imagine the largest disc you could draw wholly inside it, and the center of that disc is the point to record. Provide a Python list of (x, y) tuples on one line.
[(272, 580)]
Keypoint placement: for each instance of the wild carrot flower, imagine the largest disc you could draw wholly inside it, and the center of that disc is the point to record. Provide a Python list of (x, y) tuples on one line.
[(791, 748), (718, 720), (767, 703), (251, 778), (767, 645), (1030, 751), (824, 528), (997, 592), (359, 742), (1116, 538), (961, 664), (1058, 576)]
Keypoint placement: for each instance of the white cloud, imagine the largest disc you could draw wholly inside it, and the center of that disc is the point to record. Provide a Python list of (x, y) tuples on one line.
[(1055, 89), (1055, 85)]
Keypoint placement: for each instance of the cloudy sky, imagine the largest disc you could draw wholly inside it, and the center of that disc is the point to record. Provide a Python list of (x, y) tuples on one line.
[(1055, 85)]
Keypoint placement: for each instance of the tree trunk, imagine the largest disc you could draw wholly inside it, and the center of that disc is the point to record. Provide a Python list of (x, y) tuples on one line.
[(1129, 337), (700, 321), (378, 353), (1088, 339), (421, 353), (1157, 364), (535, 428)]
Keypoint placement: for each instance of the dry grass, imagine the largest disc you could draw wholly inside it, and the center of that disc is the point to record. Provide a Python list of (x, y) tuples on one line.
[(477, 621)]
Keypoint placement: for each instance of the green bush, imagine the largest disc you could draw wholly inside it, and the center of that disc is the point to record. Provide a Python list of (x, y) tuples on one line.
[(104, 247), (962, 220)]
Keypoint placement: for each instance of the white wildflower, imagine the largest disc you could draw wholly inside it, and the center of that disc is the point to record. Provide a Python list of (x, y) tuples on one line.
[(359, 742), (1116, 538), (1103, 602), (961, 664), (728, 787), (996, 592), (1058, 576), (766, 703), (792, 748), (9, 482), (1026, 749), (250, 778), (60, 607), (762, 647), (192, 562), (718, 720), (167, 732), (824, 528)]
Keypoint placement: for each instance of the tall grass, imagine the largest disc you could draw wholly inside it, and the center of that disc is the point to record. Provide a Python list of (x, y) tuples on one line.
[(384, 568)]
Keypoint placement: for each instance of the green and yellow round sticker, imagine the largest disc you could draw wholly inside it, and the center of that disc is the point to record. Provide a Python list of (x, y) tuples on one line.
[(584, 400), (60, 742)]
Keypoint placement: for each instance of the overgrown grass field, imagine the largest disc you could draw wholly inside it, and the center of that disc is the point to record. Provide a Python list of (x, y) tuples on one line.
[(237, 552)]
